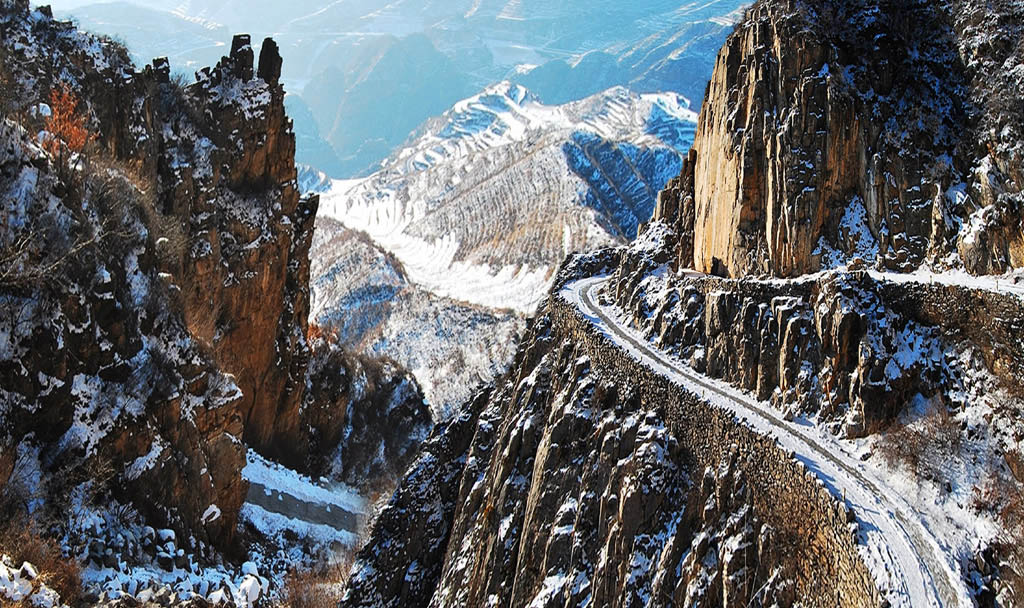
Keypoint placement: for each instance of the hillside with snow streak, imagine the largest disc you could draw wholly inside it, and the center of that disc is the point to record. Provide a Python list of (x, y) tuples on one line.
[(501, 188), (468, 222)]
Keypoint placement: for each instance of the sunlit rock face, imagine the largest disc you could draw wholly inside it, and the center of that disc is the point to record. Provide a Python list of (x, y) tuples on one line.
[(839, 130)]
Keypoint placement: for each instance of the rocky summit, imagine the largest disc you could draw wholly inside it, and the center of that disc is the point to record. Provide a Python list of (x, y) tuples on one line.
[(836, 130)]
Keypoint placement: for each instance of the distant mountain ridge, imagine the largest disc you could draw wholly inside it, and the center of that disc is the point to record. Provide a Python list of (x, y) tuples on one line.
[(358, 65), (502, 187), (436, 260)]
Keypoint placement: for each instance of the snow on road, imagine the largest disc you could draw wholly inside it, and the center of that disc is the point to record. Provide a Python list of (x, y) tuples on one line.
[(905, 558), (1007, 283), (281, 499)]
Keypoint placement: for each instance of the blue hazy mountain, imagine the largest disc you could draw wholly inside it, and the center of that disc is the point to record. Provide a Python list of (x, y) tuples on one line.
[(368, 72)]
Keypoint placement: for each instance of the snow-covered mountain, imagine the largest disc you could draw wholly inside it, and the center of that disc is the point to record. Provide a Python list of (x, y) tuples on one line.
[(470, 220), (363, 293), (491, 196)]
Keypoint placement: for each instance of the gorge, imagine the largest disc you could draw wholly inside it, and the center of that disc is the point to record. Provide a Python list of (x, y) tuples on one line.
[(791, 377)]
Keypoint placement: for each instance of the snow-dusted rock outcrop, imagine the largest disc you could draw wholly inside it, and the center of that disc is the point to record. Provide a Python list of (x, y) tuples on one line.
[(854, 346), (155, 294), (587, 479), (840, 129)]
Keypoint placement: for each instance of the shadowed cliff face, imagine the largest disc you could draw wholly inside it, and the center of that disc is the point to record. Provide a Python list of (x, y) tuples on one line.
[(168, 332), (839, 129), (586, 478)]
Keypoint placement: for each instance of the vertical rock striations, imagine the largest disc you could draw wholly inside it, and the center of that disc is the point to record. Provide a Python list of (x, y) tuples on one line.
[(833, 130), (245, 275), (587, 478)]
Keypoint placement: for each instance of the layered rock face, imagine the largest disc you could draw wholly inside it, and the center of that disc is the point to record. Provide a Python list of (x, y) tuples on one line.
[(833, 130), (587, 478), (246, 274), (834, 134), (157, 290)]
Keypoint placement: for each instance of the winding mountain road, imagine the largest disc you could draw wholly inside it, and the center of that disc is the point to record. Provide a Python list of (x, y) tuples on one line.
[(905, 558)]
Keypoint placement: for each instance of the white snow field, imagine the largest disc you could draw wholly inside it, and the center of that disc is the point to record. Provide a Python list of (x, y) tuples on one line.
[(901, 549)]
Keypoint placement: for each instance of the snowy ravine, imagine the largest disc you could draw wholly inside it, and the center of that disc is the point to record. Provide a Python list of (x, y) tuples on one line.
[(906, 558), (362, 292)]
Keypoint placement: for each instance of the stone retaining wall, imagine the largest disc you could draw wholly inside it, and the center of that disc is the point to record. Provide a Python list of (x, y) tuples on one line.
[(992, 321), (785, 494)]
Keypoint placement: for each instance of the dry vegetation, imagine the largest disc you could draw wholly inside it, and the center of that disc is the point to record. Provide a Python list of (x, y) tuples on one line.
[(66, 125), (39, 251), (23, 543), (316, 333), (6, 89), (1003, 497), (35, 252), (22, 540), (924, 446), (318, 587)]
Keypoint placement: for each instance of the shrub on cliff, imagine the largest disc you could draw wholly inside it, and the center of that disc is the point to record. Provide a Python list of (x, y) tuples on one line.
[(66, 125), (1001, 496), (22, 540), (924, 446), (23, 543), (320, 586)]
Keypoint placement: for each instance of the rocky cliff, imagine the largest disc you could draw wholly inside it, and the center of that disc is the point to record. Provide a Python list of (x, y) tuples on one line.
[(863, 140), (856, 348), (838, 135), (868, 143), (834, 130), (587, 478), (156, 292)]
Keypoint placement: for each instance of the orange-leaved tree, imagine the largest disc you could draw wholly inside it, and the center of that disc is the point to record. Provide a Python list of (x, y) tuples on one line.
[(65, 124)]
